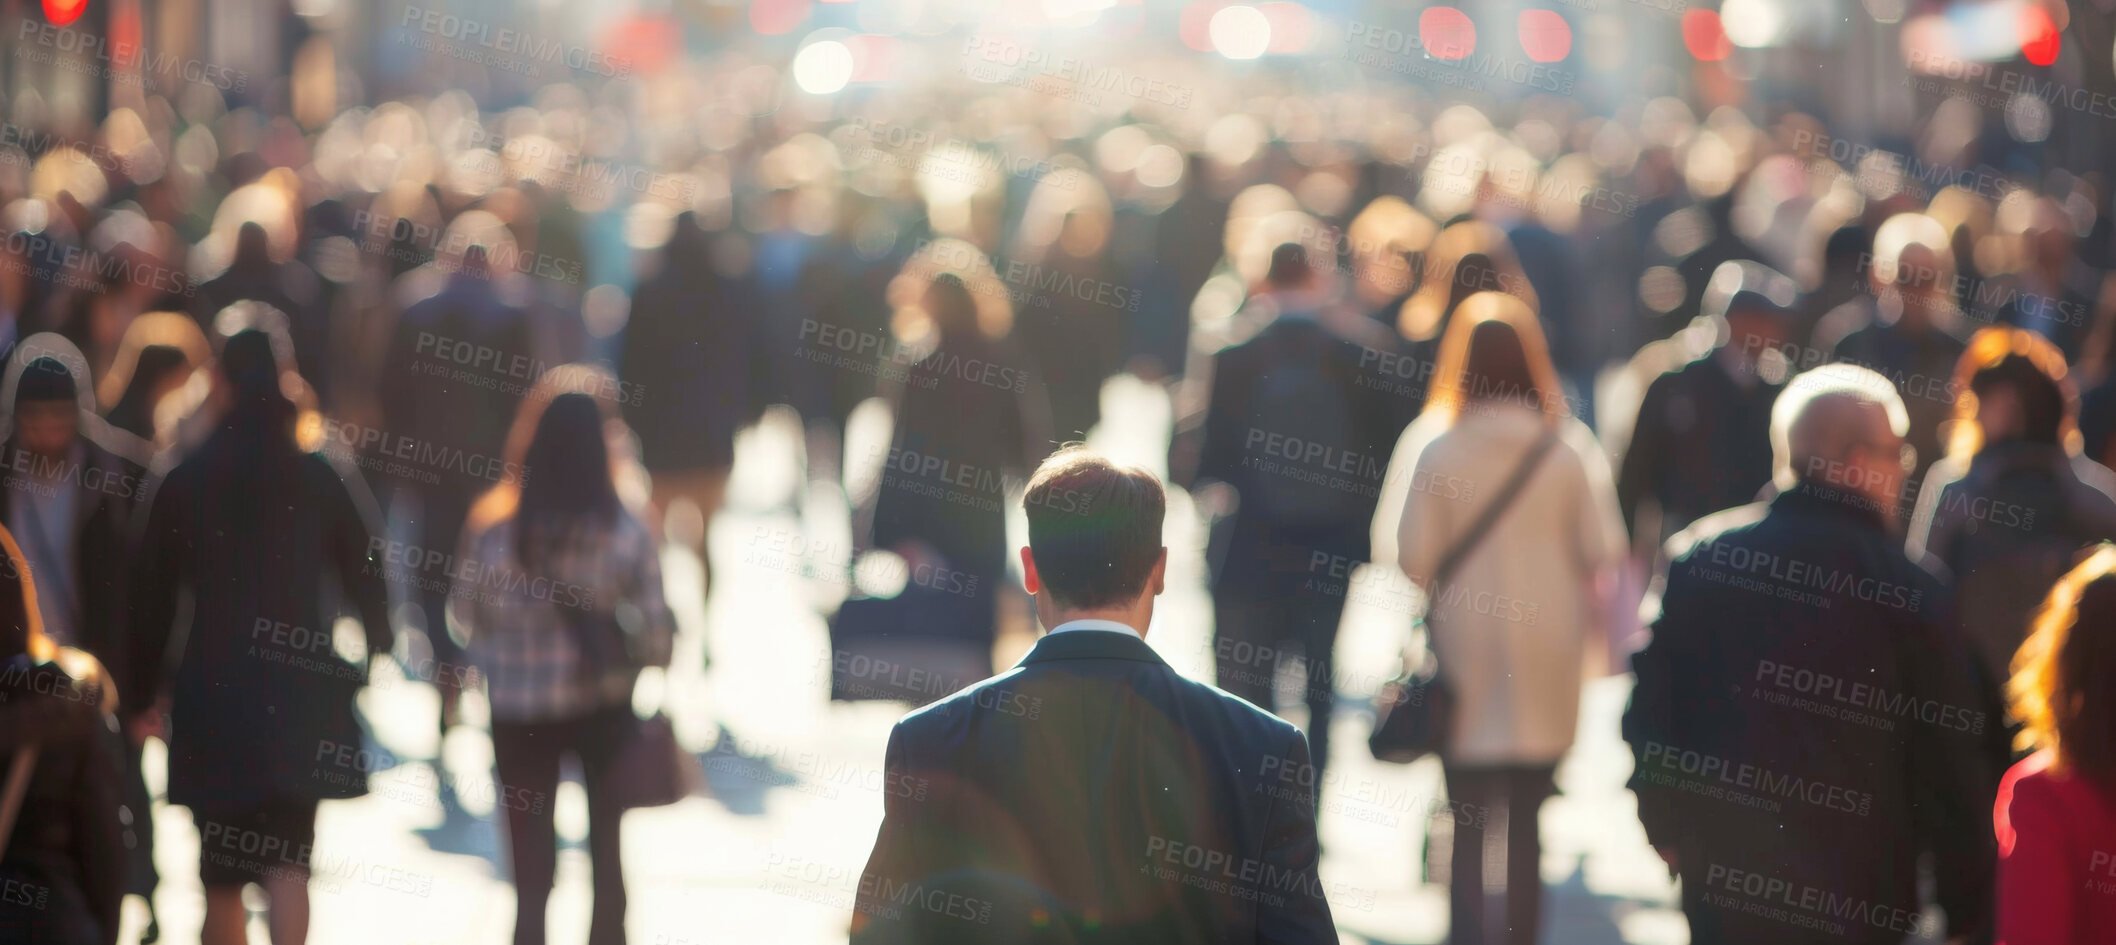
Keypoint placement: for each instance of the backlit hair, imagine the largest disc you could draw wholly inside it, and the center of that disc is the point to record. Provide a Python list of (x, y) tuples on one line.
[(1467, 258), (2064, 675), (2002, 354), (1494, 351)]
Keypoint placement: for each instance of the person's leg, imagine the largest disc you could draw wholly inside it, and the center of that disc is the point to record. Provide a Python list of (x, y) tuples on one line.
[(1526, 789), (288, 920), (527, 759), (1319, 617), (603, 741), (286, 882), (225, 917), (710, 493), (1245, 650), (1467, 789), (440, 530)]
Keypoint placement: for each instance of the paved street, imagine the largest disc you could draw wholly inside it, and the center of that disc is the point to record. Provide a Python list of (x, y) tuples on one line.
[(772, 851)]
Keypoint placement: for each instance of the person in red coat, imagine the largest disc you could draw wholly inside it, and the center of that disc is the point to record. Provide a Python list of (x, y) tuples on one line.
[(2056, 809)]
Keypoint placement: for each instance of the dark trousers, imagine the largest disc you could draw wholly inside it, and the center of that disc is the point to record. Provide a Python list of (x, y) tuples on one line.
[(527, 756), (1481, 797), (1254, 636)]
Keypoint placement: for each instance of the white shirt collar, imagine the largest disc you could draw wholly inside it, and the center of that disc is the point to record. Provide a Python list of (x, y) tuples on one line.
[(1109, 625)]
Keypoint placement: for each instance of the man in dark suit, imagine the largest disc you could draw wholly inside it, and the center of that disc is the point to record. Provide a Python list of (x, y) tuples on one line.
[(1805, 724), (1300, 435), (1092, 794)]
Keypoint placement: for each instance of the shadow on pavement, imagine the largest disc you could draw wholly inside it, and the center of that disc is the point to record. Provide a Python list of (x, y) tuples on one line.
[(740, 782)]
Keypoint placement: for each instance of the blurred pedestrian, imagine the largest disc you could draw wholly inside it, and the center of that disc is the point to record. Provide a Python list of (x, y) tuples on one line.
[(1293, 446), (970, 416), (2011, 509), (2056, 809), (1071, 316), (561, 610), (685, 367), (1702, 440), (452, 384), (64, 865), (157, 358), (1805, 714), (252, 528), (1905, 330), (70, 501), (1545, 554), (1074, 798), (253, 274)]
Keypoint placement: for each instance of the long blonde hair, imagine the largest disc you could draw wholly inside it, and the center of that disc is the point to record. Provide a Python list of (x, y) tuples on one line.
[(1494, 351)]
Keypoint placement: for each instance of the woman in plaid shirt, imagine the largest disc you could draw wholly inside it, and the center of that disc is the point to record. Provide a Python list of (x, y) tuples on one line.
[(560, 599)]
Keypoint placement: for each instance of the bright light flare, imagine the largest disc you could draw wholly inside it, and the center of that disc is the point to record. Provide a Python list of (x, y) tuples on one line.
[(823, 67), (1240, 32)]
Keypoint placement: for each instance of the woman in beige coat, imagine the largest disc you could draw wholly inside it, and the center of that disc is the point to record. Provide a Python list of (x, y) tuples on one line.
[(1513, 623)]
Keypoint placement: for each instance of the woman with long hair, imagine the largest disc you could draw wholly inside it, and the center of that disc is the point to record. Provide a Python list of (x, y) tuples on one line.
[(2056, 809), (66, 854), (2012, 504), (970, 416), (558, 591), (252, 527), (1513, 613), (1467, 257)]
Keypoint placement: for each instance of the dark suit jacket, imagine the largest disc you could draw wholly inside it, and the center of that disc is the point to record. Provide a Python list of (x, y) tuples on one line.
[(1255, 555), (1702, 444), (1092, 794), (1806, 712)]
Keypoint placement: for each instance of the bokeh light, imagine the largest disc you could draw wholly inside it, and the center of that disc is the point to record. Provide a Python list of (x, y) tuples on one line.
[(63, 12), (1545, 36), (1447, 33), (1240, 32), (1705, 36), (823, 67), (2039, 39)]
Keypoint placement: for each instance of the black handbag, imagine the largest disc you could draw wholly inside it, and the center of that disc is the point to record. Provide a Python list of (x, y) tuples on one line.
[(1415, 710)]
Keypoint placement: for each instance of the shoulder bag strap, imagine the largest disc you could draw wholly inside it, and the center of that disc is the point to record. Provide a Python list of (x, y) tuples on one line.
[(1496, 507)]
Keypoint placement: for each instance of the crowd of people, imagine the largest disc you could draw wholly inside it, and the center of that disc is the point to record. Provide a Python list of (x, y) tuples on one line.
[(459, 375)]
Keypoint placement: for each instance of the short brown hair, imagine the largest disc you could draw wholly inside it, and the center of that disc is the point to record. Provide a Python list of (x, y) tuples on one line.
[(1094, 527)]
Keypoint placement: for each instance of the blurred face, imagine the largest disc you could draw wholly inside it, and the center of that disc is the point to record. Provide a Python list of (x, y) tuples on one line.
[(1876, 462), (45, 427), (1922, 279), (1998, 413), (1753, 332)]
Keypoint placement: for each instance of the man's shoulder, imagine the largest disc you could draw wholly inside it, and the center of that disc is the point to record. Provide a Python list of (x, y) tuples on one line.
[(1725, 526), (995, 694), (1020, 693)]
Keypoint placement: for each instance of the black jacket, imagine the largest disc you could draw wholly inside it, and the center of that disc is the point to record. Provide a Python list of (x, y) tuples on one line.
[(1702, 444), (1092, 794), (686, 360), (63, 876), (1806, 713), (258, 687), (1338, 457)]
